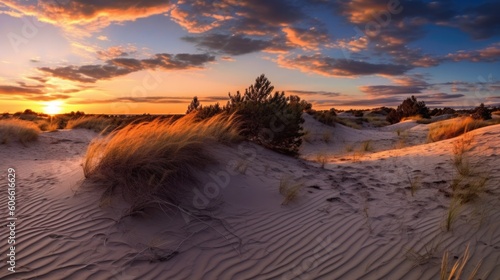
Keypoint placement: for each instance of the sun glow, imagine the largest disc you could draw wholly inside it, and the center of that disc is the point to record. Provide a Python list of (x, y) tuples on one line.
[(52, 107)]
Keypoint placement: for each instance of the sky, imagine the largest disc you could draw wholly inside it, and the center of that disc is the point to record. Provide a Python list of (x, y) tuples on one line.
[(135, 57)]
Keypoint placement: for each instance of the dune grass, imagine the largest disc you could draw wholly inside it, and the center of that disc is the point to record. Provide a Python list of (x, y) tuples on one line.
[(453, 212), (454, 127), (154, 162), (326, 137), (322, 159), (366, 146), (18, 130), (289, 189), (47, 125), (96, 123), (456, 271)]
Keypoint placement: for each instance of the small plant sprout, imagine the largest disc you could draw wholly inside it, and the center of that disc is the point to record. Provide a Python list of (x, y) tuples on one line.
[(414, 183), (453, 212), (289, 189), (367, 146), (326, 137), (322, 159)]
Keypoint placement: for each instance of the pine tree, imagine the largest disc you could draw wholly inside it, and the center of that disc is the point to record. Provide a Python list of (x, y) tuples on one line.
[(194, 106)]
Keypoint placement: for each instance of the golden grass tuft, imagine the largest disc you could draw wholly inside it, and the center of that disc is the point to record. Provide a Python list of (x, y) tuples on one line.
[(18, 130), (457, 269), (453, 127), (153, 162)]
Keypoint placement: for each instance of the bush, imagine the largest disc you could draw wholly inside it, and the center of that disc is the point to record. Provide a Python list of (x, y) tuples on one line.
[(272, 120), (481, 113), (326, 117), (151, 162), (20, 130), (409, 107)]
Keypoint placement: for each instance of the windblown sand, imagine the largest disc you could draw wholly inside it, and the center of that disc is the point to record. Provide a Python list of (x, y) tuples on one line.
[(353, 219)]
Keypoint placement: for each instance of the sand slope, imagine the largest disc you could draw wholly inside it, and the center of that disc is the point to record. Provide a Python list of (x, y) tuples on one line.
[(353, 219)]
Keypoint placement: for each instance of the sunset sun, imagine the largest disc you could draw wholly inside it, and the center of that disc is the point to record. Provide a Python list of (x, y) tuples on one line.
[(52, 107)]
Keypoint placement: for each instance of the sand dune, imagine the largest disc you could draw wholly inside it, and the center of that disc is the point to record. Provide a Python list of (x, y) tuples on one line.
[(354, 219)]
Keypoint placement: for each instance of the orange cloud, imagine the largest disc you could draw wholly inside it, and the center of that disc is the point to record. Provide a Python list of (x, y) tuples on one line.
[(87, 17), (309, 39), (488, 54)]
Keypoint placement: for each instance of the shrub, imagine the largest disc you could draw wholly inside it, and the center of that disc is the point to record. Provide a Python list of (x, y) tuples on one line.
[(481, 113), (205, 112), (409, 107), (194, 106), (151, 162), (272, 120), (20, 130), (327, 117)]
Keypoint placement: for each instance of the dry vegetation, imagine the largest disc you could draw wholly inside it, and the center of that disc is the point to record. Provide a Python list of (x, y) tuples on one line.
[(454, 127), (96, 123), (18, 130), (456, 271), (152, 162), (289, 189), (469, 181)]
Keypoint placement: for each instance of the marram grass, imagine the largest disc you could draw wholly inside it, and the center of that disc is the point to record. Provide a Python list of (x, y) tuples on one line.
[(18, 130), (155, 161)]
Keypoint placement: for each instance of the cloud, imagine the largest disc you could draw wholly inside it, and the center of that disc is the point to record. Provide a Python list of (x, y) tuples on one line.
[(309, 39), (440, 96), (311, 92), (356, 44), (116, 51), (391, 89), (30, 92), (4, 89), (227, 44), (481, 21), (329, 66), (85, 17), (122, 66), (150, 99), (102, 38), (198, 16), (488, 54), (373, 102)]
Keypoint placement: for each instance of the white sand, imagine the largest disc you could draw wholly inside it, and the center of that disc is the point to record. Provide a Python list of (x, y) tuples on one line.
[(354, 219)]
